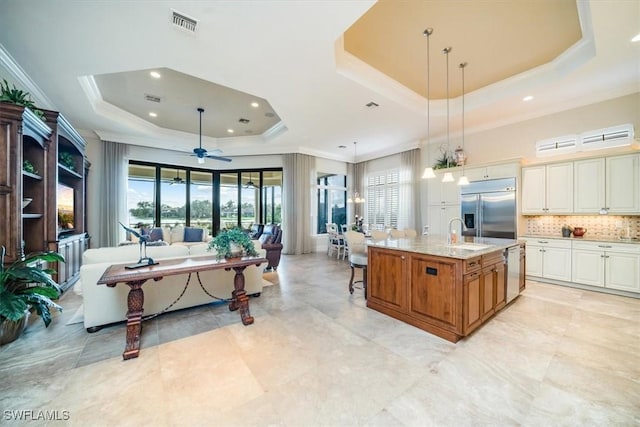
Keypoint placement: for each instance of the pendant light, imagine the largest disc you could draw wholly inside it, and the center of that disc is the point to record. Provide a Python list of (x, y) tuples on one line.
[(448, 176), (463, 179), (428, 171), (356, 196)]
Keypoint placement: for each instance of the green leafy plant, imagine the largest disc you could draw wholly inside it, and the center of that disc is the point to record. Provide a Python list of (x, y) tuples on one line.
[(24, 286), (13, 95), (222, 243), (66, 160), (445, 160), (28, 167)]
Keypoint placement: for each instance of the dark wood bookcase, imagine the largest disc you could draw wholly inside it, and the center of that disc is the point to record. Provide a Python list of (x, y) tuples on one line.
[(32, 178)]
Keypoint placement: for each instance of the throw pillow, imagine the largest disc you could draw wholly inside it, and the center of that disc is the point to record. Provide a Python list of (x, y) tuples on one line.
[(177, 234), (155, 234), (192, 234)]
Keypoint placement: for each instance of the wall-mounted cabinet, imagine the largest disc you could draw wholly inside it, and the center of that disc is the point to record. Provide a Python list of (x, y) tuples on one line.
[(505, 170), (547, 189), (607, 185)]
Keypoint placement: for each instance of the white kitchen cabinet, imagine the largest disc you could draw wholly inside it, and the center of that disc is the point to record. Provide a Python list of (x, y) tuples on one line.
[(588, 186), (506, 170), (549, 258), (609, 265), (622, 184), (547, 189), (438, 217), (444, 193), (610, 185)]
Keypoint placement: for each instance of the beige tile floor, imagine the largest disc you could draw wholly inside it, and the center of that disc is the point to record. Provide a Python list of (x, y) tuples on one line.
[(316, 356)]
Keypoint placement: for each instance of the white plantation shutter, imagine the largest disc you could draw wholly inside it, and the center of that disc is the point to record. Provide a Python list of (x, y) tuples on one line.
[(383, 199)]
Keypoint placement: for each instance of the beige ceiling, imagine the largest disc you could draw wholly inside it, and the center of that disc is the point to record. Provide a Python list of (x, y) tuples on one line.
[(498, 40), (179, 97)]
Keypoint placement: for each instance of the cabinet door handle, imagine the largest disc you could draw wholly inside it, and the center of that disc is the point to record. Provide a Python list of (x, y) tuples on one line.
[(542, 241), (402, 257), (604, 246)]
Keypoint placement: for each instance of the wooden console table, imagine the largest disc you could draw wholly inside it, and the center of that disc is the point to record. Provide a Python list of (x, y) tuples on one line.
[(136, 278)]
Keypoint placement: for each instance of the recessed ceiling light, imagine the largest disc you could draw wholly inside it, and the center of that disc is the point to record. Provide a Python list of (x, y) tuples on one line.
[(527, 98), (155, 74), (255, 104), (230, 130), (636, 38), (152, 114)]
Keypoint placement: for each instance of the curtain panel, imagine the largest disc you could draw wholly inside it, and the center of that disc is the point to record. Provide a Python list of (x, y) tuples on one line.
[(298, 184), (410, 189), (113, 193)]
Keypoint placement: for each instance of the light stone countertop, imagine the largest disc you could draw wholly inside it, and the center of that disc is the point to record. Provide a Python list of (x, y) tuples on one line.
[(437, 245), (585, 238)]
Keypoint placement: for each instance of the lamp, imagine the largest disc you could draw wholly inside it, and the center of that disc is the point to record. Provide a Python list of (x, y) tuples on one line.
[(428, 171), (356, 196), (448, 176), (460, 153)]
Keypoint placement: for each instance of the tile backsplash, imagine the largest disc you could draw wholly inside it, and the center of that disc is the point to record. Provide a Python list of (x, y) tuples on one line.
[(604, 226)]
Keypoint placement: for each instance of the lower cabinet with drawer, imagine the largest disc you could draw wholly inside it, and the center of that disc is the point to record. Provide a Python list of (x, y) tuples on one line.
[(608, 265), (549, 258)]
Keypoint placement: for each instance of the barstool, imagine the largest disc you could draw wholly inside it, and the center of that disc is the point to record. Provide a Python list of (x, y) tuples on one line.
[(357, 258)]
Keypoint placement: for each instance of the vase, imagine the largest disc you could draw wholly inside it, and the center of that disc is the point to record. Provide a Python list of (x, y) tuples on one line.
[(236, 250), (10, 330)]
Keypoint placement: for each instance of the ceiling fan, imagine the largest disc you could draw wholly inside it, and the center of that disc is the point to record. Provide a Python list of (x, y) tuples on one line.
[(250, 183), (202, 153), (176, 179)]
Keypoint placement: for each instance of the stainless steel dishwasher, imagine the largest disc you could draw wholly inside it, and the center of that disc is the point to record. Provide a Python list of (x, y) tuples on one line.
[(513, 272)]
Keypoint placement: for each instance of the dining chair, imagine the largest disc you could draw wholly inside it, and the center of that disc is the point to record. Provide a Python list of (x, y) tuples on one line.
[(396, 234), (410, 232), (358, 258), (379, 235), (336, 241)]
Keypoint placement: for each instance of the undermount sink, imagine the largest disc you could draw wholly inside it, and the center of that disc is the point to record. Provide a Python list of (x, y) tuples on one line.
[(470, 246)]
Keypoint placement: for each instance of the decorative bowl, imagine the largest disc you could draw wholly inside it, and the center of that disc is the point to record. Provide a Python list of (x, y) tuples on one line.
[(25, 202), (579, 231)]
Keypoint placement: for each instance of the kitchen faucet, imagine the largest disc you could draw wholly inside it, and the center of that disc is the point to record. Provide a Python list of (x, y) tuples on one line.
[(451, 232)]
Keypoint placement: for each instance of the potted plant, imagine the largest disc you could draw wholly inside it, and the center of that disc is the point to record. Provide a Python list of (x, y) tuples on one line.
[(26, 288), (18, 97), (232, 242), (66, 160)]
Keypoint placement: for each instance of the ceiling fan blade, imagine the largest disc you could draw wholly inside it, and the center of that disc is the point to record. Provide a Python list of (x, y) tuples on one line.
[(221, 158)]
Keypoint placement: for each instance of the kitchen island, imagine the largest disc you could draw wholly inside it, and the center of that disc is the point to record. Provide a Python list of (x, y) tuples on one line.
[(447, 290)]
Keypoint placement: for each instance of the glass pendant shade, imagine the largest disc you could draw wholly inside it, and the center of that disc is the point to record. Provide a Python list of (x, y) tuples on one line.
[(428, 173), (463, 180), (448, 177)]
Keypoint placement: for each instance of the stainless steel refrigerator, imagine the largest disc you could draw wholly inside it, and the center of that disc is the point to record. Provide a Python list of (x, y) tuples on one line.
[(488, 208)]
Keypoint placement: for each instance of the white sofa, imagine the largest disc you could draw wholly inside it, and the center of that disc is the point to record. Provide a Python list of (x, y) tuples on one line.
[(103, 305), (171, 236)]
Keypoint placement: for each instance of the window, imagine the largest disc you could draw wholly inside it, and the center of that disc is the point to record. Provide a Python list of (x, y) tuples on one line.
[(332, 200), (272, 197), (383, 197), (172, 195), (141, 195), (201, 196)]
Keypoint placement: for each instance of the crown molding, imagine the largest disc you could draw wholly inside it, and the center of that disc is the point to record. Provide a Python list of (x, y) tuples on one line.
[(21, 78)]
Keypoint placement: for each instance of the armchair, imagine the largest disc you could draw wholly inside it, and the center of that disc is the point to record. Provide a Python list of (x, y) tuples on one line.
[(271, 240)]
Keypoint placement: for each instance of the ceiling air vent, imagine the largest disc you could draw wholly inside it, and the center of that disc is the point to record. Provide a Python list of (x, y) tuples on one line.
[(152, 98), (616, 136), (553, 146), (184, 22)]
